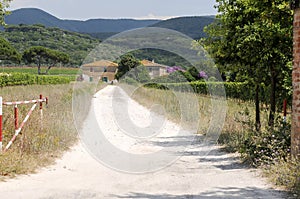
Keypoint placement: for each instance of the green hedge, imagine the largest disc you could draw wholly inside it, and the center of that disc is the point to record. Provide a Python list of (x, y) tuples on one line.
[(237, 90), (15, 79)]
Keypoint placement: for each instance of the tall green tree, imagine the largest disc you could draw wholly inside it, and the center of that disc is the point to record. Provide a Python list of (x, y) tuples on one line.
[(4, 4), (41, 55), (8, 52), (254, 39), (126, 63)]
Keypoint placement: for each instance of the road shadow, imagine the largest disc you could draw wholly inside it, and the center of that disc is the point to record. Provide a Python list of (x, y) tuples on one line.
[(205, 153), (218, 193)]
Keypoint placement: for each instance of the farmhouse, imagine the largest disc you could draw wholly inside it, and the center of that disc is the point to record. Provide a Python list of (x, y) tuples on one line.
[(104, 69), (155, 69)]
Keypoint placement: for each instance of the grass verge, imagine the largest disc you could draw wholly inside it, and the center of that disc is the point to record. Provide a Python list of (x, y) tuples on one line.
[(40, 142)]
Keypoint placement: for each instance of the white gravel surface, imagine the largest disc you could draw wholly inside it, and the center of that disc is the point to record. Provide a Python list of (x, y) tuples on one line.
[(194, 175)]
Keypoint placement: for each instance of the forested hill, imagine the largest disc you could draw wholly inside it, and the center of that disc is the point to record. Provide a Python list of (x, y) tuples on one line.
[(104, 28), (74, 44), (191, 26), (30, 16)]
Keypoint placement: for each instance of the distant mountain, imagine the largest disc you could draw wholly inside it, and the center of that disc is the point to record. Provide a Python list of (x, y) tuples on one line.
[(104, 28), (30, 16), (191, 26)]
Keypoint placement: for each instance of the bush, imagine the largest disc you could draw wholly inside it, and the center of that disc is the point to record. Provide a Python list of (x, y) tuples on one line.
[(129, 80), (16, 79), (44, 80), (236, 90), (285, 173), (262, 148)]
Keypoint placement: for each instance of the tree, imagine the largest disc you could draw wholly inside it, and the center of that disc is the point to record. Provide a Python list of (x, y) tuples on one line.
[(253, 38), (7, 52), (126, 63), (41, 55), (140, 74), (4, 4)]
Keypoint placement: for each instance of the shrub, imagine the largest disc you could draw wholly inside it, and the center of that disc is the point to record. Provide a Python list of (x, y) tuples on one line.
[(285, 173), (236, 90), (268, 145), (15, 79), (44, 80), (129, 80)]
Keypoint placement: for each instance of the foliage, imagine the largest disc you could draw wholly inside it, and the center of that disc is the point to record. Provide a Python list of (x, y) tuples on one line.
[(15, 79), (139, 74), (253, 39), (39, 55), (8, 52), (129, 80), (285, 172), (126, 63), (4, 4), (237, 90), (267, 146), (177, 77), (202, 75), (65, 71), (161, 56), (76, 45)]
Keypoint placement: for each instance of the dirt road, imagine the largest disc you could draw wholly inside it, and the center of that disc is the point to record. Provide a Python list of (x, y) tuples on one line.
[(78, 175)]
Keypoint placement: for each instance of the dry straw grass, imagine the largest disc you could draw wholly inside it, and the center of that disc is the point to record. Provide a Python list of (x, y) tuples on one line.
[(39, 144), (169, 101)]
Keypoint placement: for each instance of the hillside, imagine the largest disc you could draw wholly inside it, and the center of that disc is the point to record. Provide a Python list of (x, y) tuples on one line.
[(30, 16), (75, 44), (191, 26), (104, 28)]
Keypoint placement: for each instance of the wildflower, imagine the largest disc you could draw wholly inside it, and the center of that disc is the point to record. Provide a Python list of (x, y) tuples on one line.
[(202, 75), (174, 69)]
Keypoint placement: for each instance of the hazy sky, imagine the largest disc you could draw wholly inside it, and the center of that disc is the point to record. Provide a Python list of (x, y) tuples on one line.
[(86, 9)]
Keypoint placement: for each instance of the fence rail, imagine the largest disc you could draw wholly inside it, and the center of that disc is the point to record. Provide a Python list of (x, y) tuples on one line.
[(18, 128)]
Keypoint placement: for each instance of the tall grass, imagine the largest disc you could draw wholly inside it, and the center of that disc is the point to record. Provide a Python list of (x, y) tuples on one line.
[(40, 142), (170, 102)]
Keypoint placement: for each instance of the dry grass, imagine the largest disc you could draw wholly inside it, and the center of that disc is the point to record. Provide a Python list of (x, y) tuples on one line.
[(39, 144), (286, 174), (169, 100)]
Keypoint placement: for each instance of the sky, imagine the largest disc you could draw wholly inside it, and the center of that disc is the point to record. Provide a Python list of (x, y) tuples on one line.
[(137, 9)]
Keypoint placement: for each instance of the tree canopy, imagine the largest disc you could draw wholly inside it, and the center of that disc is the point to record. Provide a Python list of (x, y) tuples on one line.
[(7, 52), (4, 4), (126, 63), (253, 38), (41, 55), (76, 45)]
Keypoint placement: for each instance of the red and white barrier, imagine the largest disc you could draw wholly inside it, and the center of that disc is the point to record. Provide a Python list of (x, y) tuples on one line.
[(24, 102), (16, 117)]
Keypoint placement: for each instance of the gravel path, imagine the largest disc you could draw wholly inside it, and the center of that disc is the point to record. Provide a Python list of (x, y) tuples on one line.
[(194, 175)]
